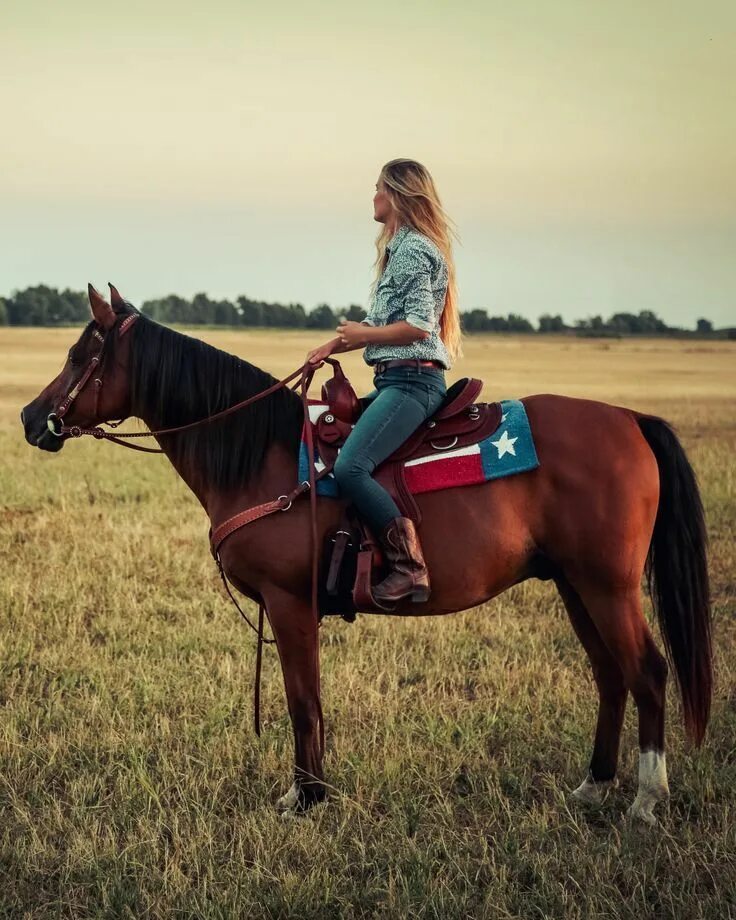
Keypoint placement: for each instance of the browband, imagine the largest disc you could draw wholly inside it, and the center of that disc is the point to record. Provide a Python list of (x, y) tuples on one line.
[(127, 323)]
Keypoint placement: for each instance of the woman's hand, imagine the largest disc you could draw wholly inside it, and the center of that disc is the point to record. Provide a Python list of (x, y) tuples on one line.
[(317, 355), (352, 334)]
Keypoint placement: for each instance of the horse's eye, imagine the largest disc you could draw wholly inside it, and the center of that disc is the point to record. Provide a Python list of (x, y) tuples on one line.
[(72, 358)]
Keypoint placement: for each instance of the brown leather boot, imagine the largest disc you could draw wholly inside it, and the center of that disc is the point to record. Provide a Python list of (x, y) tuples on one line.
[(408, 575)]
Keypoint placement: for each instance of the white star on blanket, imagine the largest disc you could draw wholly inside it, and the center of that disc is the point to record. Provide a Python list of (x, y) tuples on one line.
[(505, 445)]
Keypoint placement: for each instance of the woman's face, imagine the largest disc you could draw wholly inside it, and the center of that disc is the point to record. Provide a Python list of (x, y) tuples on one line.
[(382, 207)]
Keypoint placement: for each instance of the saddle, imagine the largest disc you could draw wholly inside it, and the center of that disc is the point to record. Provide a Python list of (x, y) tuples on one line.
[(459, 422)]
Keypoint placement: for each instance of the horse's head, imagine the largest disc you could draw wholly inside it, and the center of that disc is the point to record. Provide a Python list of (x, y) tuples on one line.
[(93, 385)]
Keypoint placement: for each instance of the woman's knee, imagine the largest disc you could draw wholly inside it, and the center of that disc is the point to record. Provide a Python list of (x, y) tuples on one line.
[(349, 470)]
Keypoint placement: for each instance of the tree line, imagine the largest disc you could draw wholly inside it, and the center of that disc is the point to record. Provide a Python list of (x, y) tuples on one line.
[(45, 306)]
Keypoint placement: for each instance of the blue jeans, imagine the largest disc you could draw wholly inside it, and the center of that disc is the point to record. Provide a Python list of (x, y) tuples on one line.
[(402, 399)]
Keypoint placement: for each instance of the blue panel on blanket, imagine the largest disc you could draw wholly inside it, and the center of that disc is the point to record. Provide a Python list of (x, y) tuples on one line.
[(510, 449)]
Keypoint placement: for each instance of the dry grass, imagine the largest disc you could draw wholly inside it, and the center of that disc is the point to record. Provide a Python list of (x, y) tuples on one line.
[(131, 784)]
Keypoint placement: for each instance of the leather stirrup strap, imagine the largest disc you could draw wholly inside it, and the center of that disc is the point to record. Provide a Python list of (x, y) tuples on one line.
[(307, 374)]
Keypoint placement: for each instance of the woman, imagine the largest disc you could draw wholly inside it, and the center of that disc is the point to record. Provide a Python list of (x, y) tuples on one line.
[(411, 335)]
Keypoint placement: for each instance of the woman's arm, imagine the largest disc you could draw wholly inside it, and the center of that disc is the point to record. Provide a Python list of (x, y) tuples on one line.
[(358, 335), (335, 346)]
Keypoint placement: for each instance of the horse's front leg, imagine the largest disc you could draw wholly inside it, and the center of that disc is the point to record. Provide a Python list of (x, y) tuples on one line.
[(296, 635)]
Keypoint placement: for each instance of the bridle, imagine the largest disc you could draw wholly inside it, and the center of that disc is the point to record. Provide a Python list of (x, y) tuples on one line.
[(56, 426), (54, 420)]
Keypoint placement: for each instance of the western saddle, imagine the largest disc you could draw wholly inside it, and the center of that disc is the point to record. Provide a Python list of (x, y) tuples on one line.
[(459, 422)]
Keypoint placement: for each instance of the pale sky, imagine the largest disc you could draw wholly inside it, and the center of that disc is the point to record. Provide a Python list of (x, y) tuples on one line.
[(586, 151)]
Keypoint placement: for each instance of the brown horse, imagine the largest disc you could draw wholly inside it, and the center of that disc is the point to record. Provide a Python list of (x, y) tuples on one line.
[(614, 497)]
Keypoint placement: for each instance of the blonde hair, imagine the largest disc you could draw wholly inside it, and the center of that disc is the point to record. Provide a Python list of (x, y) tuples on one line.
[(411, 191)]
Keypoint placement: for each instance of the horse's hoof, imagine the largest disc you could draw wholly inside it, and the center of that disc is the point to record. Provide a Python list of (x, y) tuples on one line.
[(640, 817), (641, 814), (591, 793), (292, 815), (290, 801), (300, 799)]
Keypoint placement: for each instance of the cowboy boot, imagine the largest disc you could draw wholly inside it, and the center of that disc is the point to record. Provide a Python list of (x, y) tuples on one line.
[(408, 574)]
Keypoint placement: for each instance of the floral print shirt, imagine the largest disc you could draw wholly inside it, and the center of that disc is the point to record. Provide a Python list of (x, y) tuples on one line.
[(412, 288)]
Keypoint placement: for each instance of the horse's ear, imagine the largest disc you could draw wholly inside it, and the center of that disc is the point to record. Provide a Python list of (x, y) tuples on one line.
[(101, 309), (115, 299)]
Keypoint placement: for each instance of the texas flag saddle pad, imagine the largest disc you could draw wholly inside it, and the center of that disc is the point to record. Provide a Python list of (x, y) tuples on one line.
[(510, 449)]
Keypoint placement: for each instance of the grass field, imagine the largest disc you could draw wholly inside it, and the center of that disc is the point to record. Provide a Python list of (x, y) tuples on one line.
[(132, 785)]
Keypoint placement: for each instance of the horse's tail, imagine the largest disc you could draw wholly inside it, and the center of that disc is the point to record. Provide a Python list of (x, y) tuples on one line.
[(677, 574)]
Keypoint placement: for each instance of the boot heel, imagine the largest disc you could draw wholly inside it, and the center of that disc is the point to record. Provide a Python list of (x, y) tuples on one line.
[(420, 595)]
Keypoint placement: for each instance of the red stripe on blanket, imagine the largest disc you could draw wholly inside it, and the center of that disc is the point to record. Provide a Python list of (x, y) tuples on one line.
[(441, 473)]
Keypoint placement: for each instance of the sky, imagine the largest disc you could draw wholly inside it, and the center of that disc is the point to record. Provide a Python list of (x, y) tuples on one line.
[(586, 152)]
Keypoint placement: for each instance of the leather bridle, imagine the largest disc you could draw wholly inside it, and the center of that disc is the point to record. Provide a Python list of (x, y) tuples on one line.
[(56, 426), (54, 421)]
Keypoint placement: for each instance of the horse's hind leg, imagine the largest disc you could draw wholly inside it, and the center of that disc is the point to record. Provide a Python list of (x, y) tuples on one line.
[(618, 617), (298, 645), (612, 695)]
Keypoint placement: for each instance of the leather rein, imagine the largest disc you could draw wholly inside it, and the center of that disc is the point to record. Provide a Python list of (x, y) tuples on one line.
[(305, 373)]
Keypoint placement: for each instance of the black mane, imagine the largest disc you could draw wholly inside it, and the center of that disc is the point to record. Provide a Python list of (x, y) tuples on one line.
[(176, 379)]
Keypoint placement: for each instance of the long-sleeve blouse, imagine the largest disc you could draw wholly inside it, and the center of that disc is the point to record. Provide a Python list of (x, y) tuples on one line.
[(412, 288)]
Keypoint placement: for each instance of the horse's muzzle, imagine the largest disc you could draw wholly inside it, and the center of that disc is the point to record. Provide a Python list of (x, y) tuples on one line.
[(42, 431)]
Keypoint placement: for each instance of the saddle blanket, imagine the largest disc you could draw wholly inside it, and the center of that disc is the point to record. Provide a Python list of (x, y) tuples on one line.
[(510, 449)]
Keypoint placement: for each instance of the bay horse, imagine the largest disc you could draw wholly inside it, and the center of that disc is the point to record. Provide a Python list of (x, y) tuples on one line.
[(614, 499)]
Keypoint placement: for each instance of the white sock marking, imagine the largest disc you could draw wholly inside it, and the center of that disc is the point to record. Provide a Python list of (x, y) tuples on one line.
[(653, 786)]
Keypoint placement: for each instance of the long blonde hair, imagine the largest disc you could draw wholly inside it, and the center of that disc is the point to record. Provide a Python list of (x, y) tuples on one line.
[(411, 190)]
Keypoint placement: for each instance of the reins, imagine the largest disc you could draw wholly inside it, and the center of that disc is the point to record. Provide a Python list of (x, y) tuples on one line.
[(76, 431), (228, 527)]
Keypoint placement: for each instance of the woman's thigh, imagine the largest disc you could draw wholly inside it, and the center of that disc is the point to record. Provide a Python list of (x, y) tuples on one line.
[(391, 417)]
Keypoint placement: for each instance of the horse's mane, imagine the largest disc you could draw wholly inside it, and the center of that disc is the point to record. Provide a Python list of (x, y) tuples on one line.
[(177, 379)]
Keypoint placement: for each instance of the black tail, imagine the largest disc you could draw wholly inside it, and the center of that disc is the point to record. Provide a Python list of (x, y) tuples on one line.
[(677, 574)]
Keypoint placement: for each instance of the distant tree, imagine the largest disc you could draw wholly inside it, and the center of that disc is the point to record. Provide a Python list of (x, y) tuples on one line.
[(29, 307), (225, 313), (549, 323), (623, 322), (321, 317), (45, 306), (278, 315), (645, 322), (474, 321), (69, 307), (203, 310), (298, 315), (518, 323), (593, 325), (170, 309), (354, 313), (3, 313), (251, 312), (650, 322), (704, 325)]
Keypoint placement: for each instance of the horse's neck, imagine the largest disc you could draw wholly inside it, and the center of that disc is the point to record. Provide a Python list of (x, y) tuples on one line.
[(278, 476), (195, 478)]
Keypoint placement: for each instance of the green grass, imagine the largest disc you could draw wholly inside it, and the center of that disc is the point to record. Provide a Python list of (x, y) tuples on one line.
[(132, 784)]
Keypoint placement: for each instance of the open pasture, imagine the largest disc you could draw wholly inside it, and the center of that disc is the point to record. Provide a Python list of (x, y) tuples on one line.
[(132, 785)]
